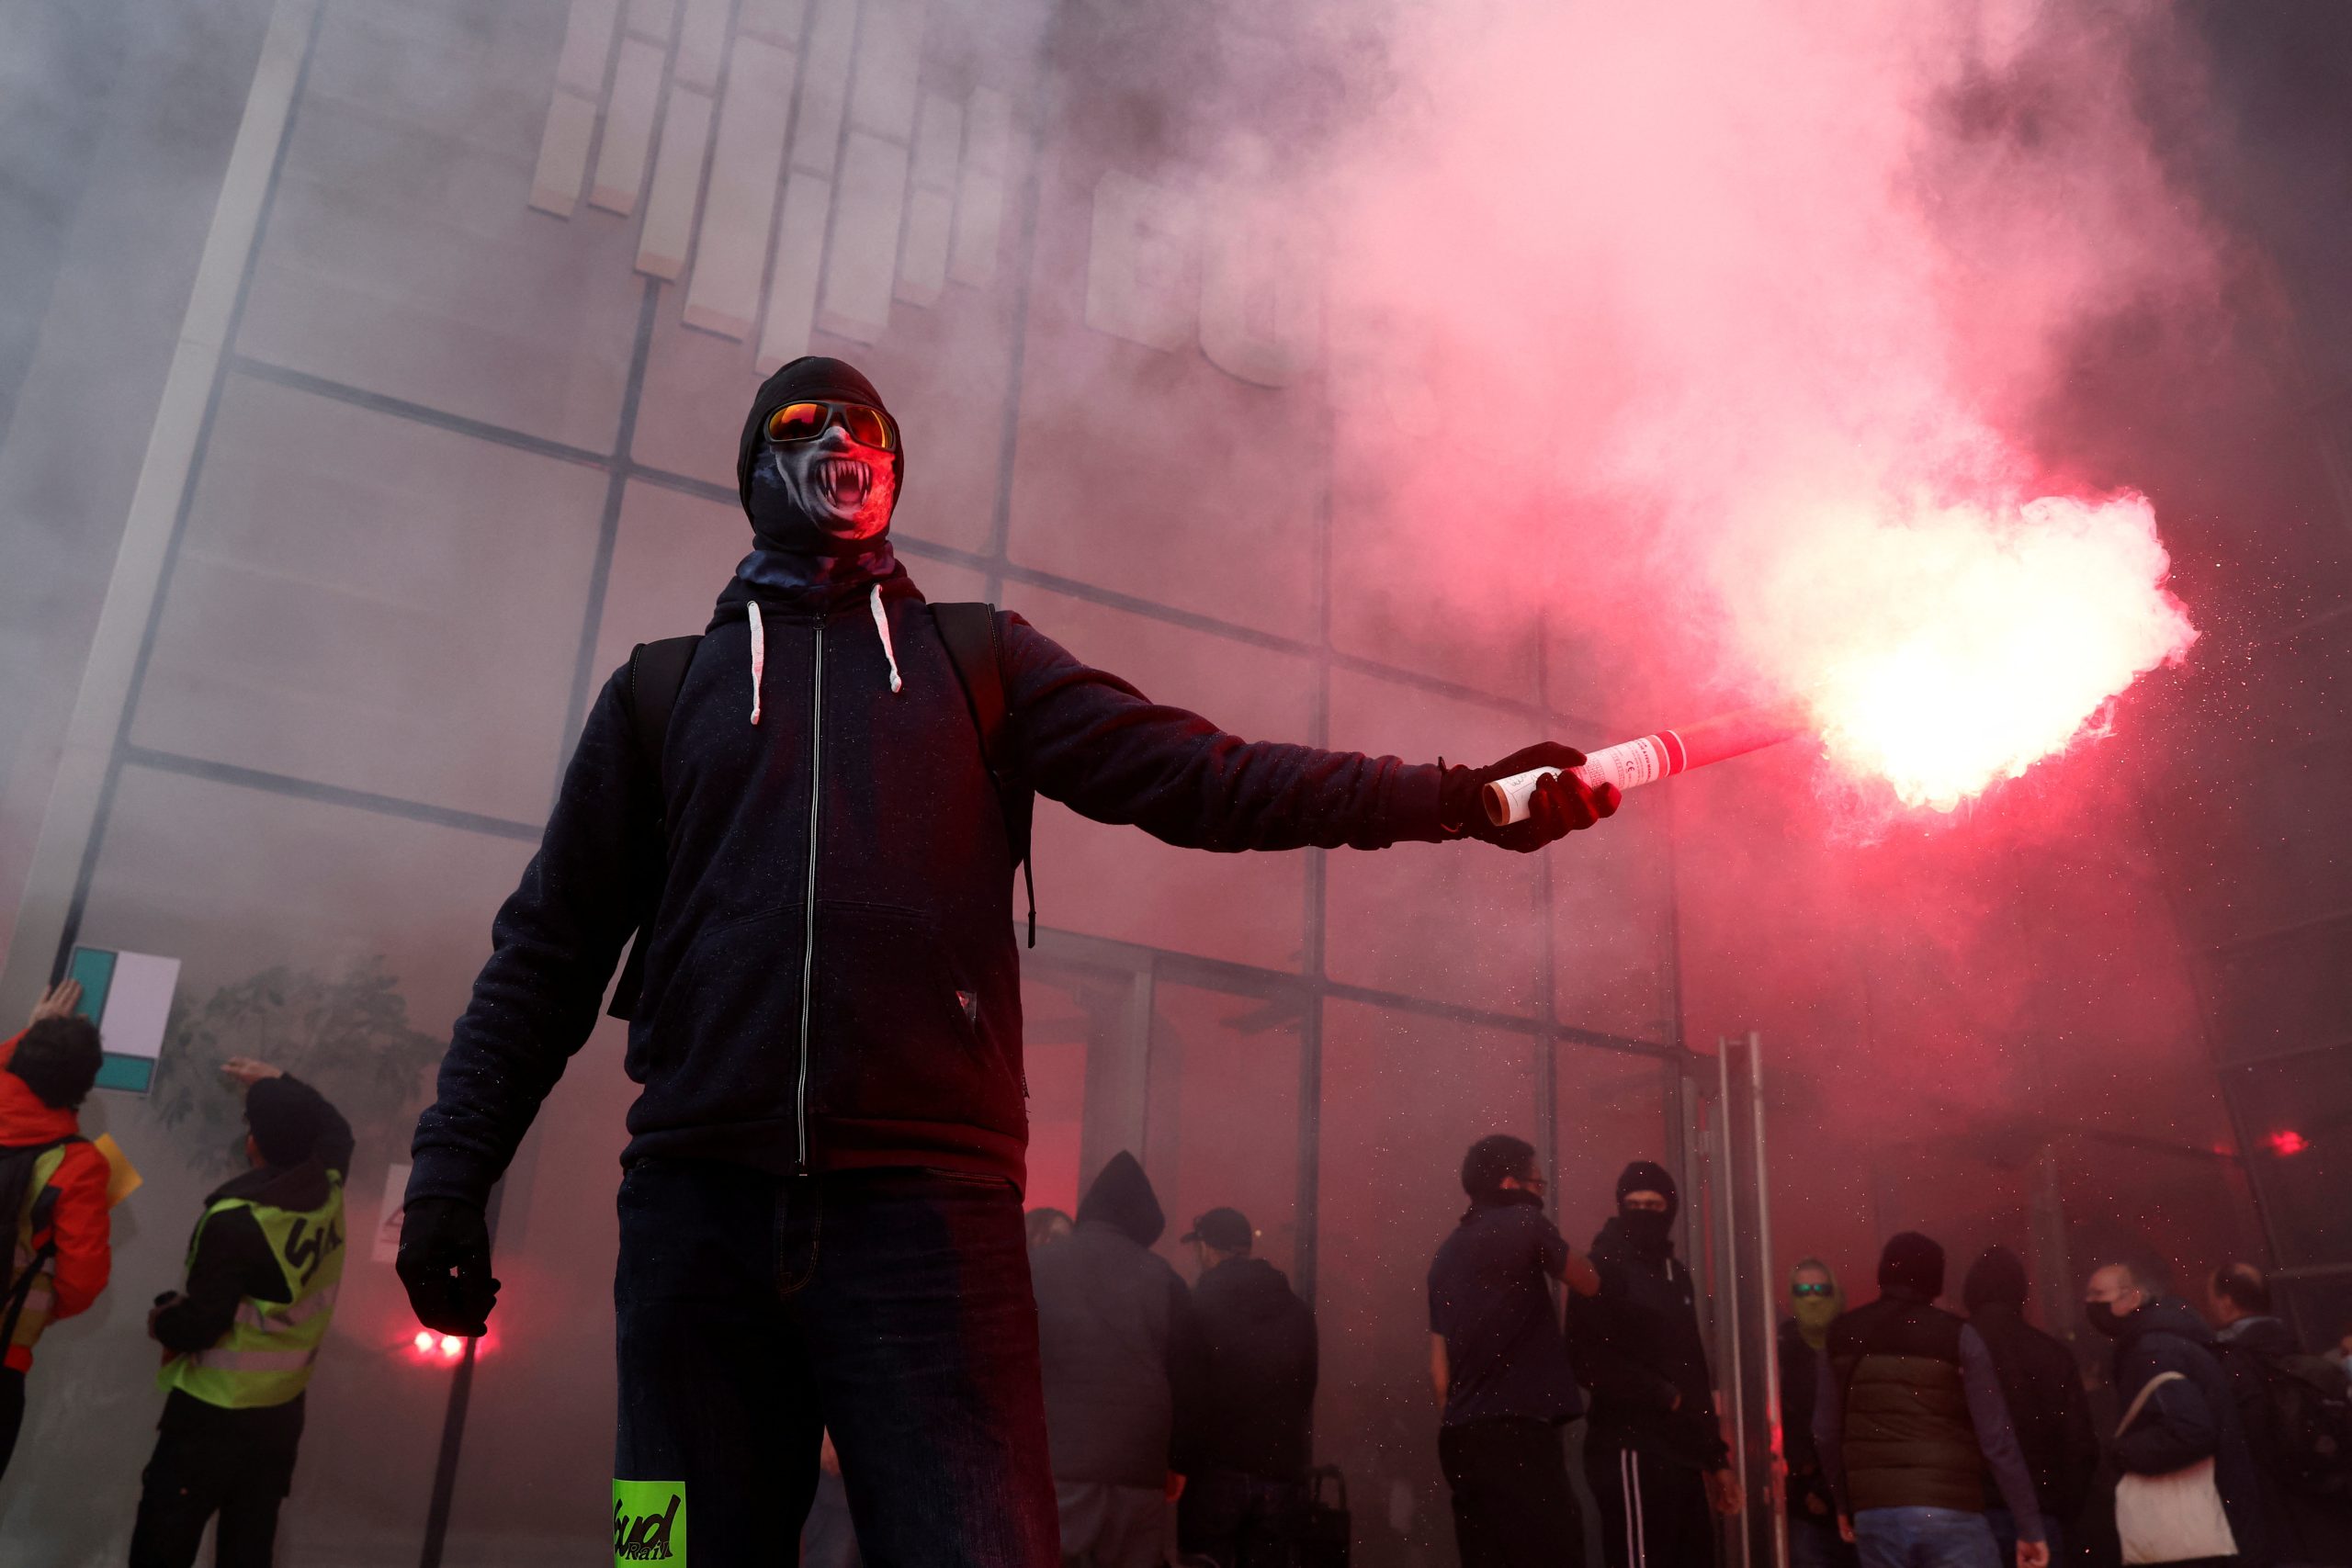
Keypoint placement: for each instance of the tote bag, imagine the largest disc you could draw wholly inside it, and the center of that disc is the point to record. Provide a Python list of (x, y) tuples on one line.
[(2174, 1517)]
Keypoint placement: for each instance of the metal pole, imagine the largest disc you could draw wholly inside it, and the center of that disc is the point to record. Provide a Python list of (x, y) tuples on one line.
[(1777, 1518), (1727, 1277)]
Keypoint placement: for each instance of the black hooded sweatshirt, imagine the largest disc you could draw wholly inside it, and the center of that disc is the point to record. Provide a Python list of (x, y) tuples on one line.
[(1636, 1345), (831, 978), (2049, 1409), (1251, 1411), (1116, 1335)]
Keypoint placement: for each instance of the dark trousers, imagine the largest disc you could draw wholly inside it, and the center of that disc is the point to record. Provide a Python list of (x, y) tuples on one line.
[(11, 1413), (891, 1306), (1513, 1506), (1237, 1520), (1653, 1513), (236, 1463)]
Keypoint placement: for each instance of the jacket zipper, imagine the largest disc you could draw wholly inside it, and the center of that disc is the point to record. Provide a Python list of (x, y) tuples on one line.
[(809, 913)]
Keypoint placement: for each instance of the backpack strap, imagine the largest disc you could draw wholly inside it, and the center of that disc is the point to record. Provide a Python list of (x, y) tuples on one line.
[(22, 1159), (969, 632), (657, 672)]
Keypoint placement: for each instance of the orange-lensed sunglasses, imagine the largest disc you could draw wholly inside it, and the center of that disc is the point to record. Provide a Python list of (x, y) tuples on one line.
[(805, 422)]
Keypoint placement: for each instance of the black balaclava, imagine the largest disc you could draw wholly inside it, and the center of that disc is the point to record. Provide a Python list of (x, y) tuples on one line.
[(1912, 1266), (830, 497), (1649, 1232)]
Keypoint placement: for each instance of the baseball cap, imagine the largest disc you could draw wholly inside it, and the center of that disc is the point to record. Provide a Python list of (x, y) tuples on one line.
[(1227, 1230)]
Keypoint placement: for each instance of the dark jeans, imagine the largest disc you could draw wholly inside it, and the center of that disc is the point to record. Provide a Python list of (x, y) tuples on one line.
[(1653, 1513), (1923, 1537), (237, 1463), (11, 1413), (1239, 1521), (892, 1306), (1512, 1505)]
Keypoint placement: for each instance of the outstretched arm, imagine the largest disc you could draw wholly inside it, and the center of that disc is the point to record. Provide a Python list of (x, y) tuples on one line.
[(553, 947), (1102, 748)]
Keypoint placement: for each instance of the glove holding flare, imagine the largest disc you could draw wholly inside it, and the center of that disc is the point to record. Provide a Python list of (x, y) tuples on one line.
[(1558, 806), (444, 1262)]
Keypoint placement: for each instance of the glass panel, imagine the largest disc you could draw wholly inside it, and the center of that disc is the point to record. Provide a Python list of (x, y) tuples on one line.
[(1611, 1111), (2298, 1112), (1404, 1096), (1225, 1114)]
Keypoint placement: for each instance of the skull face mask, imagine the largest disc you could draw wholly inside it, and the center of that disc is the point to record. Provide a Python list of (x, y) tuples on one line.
[(820, 462)]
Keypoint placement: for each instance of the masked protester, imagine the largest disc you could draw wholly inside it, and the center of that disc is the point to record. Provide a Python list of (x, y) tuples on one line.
[(1909, 1419), (810, 829), (1504, 1387), (1814, 1302), (2042, 1387), (2180, 1428), (1654, 1454)]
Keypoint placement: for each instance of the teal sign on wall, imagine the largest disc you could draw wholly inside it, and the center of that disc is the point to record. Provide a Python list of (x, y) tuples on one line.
[(129, 997)]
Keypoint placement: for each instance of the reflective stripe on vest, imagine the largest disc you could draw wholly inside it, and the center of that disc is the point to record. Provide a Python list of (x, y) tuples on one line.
[(42, 1298), (266, 1356)]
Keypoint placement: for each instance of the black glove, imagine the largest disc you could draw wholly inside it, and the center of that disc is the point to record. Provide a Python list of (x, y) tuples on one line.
[(1559, 805), (445, 1263)]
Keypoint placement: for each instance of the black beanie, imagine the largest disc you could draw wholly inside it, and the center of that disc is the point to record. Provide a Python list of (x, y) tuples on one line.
[(1997, 1279), (1913, 1263), (1648, 1176), (814, 378), (285, 1119)]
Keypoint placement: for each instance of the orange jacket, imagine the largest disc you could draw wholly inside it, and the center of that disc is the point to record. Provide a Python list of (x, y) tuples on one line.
[(80, 1222)]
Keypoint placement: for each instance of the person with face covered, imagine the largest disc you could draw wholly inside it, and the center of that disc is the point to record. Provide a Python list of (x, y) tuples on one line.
[(814, 856), (1654, 1453), (1814, 1303)]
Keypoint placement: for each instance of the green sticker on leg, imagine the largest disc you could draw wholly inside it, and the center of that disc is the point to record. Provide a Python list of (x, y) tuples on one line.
[(649, 1522)]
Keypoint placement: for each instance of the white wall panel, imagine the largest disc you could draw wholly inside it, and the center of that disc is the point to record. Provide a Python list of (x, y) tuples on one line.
[(733, 250), (824, 86), (563, 153), (931, 204), (677, 184), (862, 257), (979, 198), (587, 44), (799, 263), (629, 127)]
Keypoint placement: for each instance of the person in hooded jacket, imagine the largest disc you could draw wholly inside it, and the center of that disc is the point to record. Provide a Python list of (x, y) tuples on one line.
[(1243, 1448), (824, 1007), (1119, 1347), (2163, 1349), (1654, 1454), (2050, 1411), (1814, 1303), (62, 1251), (243, 1334)]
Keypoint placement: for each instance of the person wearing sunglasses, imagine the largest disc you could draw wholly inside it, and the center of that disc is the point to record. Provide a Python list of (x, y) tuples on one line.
[(1814, 1303), (808, 821)]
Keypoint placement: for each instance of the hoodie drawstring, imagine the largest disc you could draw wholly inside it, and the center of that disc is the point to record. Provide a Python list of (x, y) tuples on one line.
[(882, 624), (759, 658)]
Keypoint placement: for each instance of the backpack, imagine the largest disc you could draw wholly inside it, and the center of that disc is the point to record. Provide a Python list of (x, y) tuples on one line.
[(17, 1164), (657, 672), (2312, 1415)]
